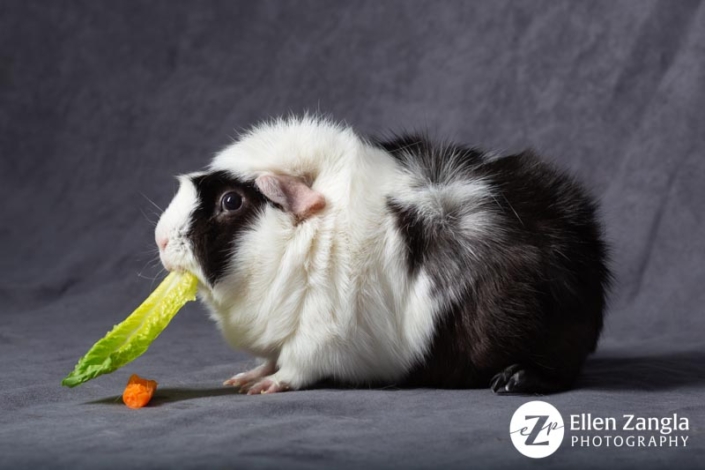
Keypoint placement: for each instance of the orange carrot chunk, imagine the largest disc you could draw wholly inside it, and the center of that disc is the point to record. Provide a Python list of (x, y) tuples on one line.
[(138, 391)]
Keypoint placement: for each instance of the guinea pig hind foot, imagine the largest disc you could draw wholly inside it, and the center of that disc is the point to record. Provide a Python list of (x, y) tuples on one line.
[(268, 385), (520, 380), (245, 380)]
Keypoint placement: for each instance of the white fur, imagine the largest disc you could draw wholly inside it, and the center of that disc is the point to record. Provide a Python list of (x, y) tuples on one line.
[(174, 225), (331, 296)]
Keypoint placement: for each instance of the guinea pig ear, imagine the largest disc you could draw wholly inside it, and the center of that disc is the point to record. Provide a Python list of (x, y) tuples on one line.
[(293, 194)]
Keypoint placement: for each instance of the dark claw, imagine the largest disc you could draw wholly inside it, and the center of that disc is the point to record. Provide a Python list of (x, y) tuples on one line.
[(518, 380), (503, 380)]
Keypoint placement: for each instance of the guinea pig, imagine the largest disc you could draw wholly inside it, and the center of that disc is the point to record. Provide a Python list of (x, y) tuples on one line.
[(403, 262)]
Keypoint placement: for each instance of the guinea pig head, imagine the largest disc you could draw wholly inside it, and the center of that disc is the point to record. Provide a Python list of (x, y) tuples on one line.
[(203, 228)]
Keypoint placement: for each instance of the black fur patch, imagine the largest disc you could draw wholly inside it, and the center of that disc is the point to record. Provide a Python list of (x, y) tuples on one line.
[(433, 158), (531, 291), (411, 226), (214, 232)]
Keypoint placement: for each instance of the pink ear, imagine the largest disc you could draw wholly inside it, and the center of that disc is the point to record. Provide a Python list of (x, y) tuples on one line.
[(292, 194)]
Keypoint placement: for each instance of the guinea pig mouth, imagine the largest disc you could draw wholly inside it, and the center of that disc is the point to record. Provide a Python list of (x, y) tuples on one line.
[(177, 260), (176, 267)]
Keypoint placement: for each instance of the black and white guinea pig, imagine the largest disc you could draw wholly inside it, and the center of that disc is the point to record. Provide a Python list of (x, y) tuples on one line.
[(405, 262)]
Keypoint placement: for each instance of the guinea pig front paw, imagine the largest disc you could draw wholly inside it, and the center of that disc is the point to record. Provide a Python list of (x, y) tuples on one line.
[(245, 380), (519, 380), (268, 385)]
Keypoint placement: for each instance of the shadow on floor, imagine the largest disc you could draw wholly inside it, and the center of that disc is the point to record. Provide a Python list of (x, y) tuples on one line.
[(171, 395), (610, 371), (606, 371)]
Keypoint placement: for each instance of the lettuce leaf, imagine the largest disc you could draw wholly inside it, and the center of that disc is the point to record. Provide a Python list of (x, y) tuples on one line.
[(131, 338)]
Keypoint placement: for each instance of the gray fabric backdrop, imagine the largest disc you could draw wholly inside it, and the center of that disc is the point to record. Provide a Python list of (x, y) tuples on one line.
[(101, 102)]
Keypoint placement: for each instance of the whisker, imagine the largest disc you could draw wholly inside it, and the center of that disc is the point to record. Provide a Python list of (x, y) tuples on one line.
[(149, 264), (151, 251), (142, 276), (152, 222), (152, 202), (159, 274)]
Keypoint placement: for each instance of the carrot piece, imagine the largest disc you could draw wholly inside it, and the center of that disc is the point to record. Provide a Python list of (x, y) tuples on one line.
[(138, 391)]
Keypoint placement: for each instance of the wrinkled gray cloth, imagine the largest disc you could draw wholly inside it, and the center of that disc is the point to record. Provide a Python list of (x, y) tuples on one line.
[(102, 102)]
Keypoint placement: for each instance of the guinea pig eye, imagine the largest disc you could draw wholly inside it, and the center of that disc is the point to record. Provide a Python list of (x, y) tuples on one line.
[(231, 201)]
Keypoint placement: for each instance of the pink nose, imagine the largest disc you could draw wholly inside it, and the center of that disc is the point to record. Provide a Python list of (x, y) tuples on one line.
[(162, 242)]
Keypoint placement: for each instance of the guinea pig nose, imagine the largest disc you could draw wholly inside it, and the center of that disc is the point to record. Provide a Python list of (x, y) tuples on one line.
[(162, 242)]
